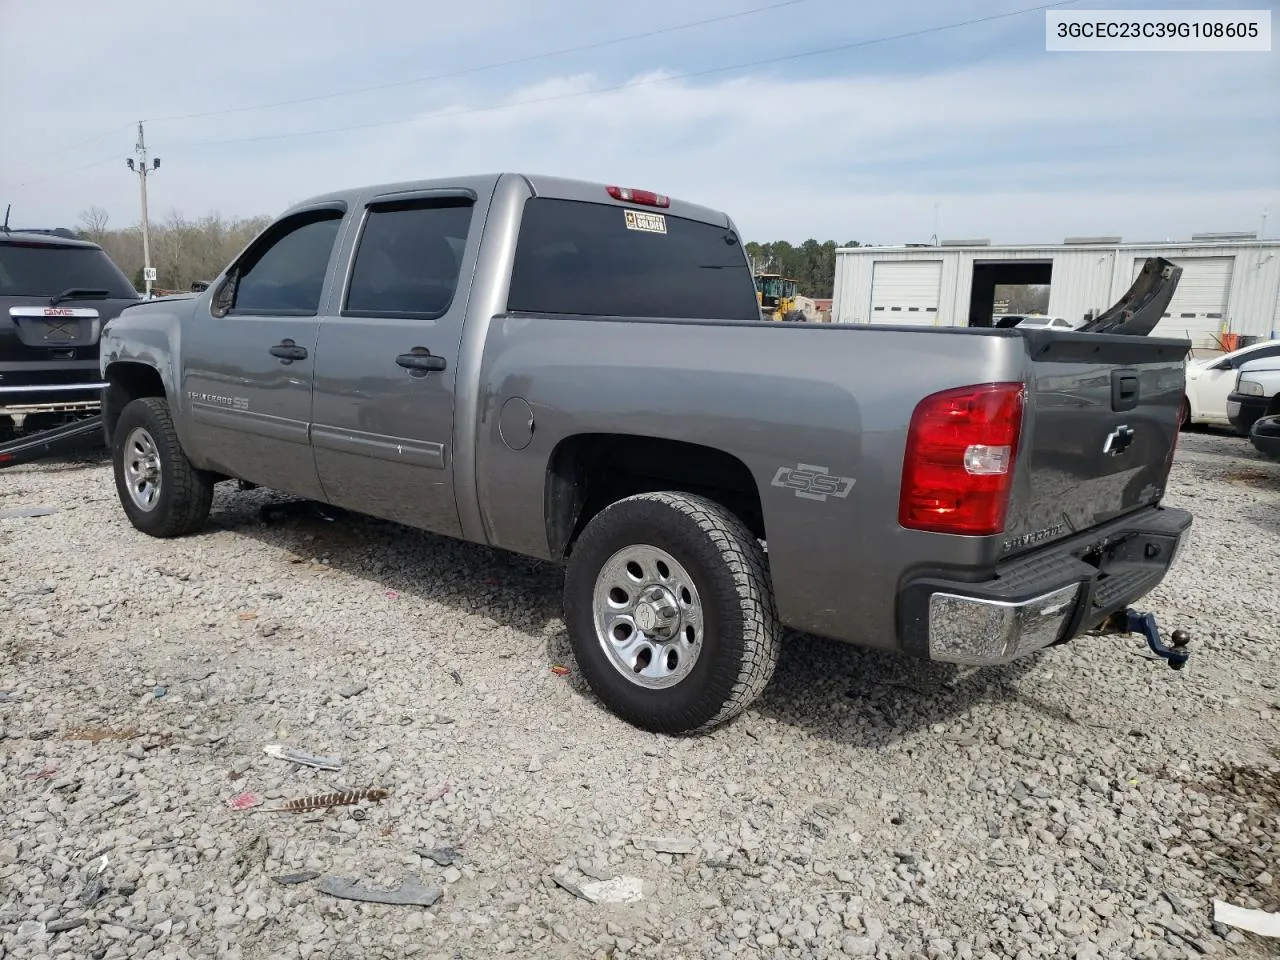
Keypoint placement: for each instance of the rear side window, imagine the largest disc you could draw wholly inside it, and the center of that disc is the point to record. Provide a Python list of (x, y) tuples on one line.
[(285, 275), (596, 259), (44, 270), (408, 260)]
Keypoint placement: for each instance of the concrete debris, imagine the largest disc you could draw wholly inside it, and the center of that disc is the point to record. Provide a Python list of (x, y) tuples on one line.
[(410, 892)]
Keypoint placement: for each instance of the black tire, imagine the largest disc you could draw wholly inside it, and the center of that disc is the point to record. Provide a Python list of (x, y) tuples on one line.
[(738, 650), (1184, 414), (185, 494)]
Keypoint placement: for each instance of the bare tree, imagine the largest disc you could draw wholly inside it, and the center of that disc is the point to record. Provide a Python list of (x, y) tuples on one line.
[(93, 224), (1023, 297), (182, 250)]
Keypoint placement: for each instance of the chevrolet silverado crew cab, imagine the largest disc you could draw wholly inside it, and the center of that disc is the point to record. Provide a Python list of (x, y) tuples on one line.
[(579, 373), (55, 294)]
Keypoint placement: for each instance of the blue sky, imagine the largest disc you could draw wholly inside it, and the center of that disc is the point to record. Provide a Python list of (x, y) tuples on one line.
[(980, 124)]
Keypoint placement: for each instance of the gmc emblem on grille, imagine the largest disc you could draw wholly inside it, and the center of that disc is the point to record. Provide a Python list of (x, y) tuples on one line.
[(1118, 441)]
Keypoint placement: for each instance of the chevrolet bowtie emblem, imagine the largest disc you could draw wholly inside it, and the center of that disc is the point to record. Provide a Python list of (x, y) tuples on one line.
[(1118, 441)]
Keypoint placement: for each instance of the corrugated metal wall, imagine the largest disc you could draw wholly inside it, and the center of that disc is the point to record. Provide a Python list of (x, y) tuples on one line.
[(1085, 278)]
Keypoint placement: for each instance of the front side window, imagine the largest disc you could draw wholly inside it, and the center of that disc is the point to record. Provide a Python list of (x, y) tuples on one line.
[(598, 259), (285, 275), (409, 259)]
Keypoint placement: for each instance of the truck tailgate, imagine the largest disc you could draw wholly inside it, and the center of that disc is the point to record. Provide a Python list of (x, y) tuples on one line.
[(1102, 426)]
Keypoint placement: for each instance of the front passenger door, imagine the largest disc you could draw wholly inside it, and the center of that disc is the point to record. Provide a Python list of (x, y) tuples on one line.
[(248, 359)]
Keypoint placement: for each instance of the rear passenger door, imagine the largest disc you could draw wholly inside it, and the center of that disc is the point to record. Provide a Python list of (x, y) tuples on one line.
[(387, 359)]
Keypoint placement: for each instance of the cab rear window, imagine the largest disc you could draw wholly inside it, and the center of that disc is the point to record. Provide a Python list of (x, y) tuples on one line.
[(597, 259), (46, 270)]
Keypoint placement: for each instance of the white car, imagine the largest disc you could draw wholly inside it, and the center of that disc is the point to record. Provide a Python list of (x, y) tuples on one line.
[(1051, 323), (1032, 320), (1210, 380)]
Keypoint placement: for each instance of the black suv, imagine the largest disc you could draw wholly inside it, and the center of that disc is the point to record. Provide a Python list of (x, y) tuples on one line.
[(56, 293)]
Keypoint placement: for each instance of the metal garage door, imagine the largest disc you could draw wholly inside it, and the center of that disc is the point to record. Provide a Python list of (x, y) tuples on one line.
[(1199, 305), (905, 292)]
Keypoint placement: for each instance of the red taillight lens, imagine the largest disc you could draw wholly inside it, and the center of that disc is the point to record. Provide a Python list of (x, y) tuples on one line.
[(959, 463), (646, 197)]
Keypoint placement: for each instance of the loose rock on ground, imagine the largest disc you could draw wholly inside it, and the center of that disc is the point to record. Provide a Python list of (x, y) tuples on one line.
[(1085, 803)]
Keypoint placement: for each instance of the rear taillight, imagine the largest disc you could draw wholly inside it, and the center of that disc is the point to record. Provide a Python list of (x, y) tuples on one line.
[(959, 461), (646, 197)]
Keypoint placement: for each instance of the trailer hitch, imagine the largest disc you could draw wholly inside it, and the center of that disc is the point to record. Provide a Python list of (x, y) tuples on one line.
[(1131, 621)]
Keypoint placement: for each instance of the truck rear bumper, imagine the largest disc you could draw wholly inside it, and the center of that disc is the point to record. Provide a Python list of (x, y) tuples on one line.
[(1044, 597)]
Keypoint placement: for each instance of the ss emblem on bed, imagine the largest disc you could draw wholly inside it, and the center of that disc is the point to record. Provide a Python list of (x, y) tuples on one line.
[(812, 482)]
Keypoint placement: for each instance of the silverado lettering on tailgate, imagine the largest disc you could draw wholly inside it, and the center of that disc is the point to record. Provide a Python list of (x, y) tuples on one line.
[(1036, 536)]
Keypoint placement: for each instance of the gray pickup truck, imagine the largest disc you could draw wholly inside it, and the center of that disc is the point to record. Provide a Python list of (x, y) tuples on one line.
[(579, 373)]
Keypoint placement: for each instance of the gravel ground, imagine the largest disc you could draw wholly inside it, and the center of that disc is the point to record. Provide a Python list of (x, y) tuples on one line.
[(1086, 803)]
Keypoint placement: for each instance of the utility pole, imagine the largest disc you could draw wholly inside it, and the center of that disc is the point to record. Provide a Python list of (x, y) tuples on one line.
[(142, 170)]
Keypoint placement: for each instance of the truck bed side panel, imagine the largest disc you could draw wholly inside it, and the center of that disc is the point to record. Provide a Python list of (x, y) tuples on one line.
[(773, 396)]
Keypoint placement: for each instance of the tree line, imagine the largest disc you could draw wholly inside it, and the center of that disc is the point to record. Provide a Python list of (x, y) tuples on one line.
[(812, 264), (183, 250)]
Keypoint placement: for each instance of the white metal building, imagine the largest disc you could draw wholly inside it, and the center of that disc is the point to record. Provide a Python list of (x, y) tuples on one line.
[(1227, 286)]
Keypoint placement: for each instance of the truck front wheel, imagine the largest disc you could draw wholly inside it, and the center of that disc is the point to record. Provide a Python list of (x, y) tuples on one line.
[(670, 613), (163, 495)]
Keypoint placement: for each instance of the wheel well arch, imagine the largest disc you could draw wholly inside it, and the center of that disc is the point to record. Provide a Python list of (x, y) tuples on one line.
[(127, 381), (587, 472)]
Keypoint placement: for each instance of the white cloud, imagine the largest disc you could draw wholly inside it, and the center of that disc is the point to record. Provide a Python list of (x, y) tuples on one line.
[(1014, 150)]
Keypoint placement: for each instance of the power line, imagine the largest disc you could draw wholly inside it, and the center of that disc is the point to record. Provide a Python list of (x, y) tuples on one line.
[(485, 66), (114, 158), (74, 146), (635, 83)]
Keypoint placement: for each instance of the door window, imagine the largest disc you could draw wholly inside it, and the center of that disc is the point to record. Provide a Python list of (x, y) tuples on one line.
[(409, 258), (284, 274)]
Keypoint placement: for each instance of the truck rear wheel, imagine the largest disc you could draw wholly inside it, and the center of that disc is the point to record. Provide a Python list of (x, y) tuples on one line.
[(163, 495), (670, 612)]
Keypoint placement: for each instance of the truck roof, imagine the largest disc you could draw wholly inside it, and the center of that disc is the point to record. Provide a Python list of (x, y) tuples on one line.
[(560, 188)]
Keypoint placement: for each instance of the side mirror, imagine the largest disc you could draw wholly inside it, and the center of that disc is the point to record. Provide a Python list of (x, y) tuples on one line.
[(225, 296)]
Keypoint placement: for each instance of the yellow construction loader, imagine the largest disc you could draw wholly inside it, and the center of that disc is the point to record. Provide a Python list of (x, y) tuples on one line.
[(776, 295)]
